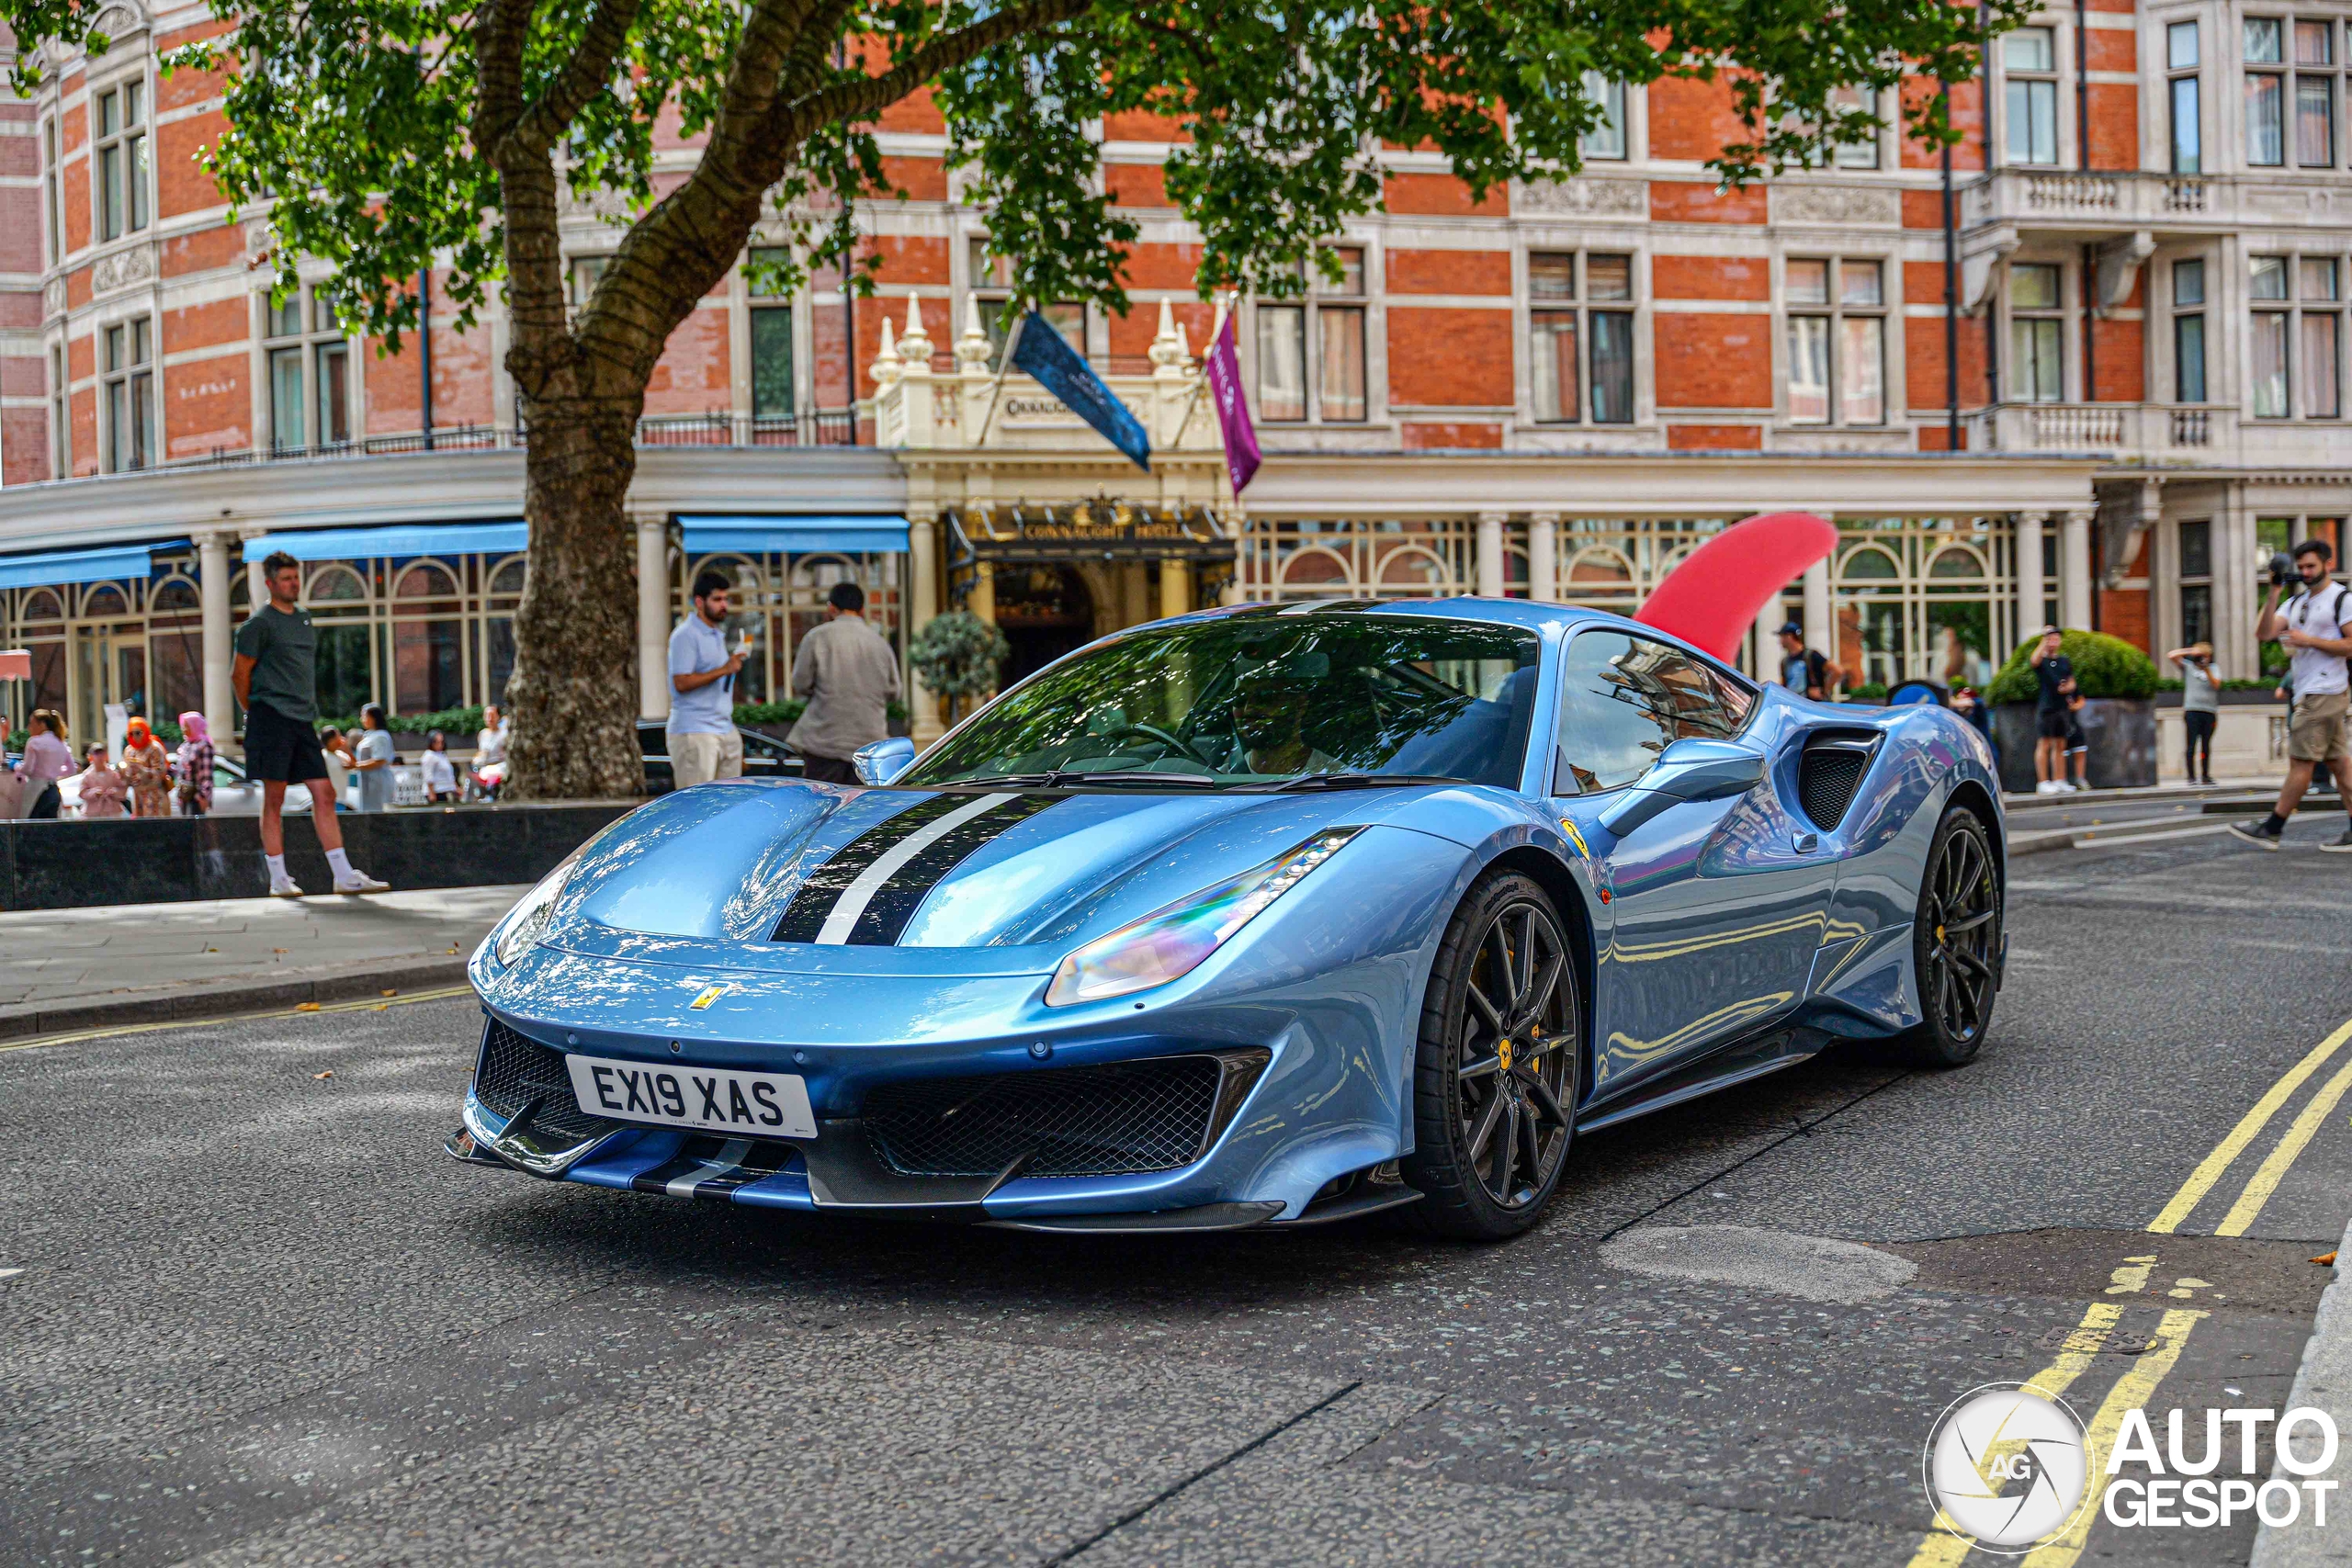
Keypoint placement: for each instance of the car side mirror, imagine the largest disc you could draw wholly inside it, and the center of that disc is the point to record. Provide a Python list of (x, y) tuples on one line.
[(1690, 769), (881, 761)]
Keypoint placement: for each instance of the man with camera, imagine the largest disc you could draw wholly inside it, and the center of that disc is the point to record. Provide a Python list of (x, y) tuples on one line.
[(2312, 625)]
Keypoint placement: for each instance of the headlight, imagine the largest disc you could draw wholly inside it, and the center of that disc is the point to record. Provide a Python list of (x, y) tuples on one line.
[(1172, 941), (526, 923)]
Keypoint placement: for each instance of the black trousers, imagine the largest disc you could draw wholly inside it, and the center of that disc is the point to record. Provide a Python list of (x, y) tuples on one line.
[(827, 770), (45, 804), (2201, 740)]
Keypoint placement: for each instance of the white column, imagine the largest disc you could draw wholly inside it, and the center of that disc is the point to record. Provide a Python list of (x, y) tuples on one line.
[(1769, 622), (2075, 568), (1820, 624), (2236, 586), (1543, 557), (922, 606), (1175, 587), (1490, 554), (214, 572), (653, 617), (2029, 572)]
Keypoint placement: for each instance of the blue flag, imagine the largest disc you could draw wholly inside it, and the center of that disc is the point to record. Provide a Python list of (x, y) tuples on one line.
[(1043, 354)]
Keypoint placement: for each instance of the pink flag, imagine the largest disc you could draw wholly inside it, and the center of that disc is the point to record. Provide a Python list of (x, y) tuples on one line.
[(1232, 409)]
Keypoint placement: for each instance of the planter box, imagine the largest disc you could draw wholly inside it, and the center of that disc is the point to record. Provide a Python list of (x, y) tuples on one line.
[(2122, 733), (58, 865)]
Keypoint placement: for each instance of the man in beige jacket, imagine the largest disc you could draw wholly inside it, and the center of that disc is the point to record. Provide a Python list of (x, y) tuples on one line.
[(849, 675)]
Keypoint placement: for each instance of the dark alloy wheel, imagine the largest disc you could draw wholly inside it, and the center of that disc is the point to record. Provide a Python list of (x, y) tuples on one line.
[(1499, 1066), (1956, 943)]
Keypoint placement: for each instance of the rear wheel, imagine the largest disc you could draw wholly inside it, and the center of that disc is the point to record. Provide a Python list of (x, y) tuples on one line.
[(1498, 1068), (1956, 944)]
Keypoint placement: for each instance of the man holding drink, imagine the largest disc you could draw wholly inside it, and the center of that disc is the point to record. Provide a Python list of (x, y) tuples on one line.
[(703, 741)]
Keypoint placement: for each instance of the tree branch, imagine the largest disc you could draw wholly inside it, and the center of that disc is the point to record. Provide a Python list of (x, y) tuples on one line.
[(588, 74), (862, 100), (499, 32)]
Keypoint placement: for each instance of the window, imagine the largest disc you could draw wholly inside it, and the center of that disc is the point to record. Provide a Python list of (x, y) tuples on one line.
[(2265, 92), (1556, 327), (1836, 335), (586, 273), (772, 391), (309, 373), (49, 210), (991, 284), (2268, 283), (2030, 68), (130, 396), (1607, 139), (1856, 155), (61, 433), (2188, 331), (1623, 700), (2036, 331), (123, 159), (2196, 581), (2319, 283), (1336, 349), (2316, 93), (2181, 60)]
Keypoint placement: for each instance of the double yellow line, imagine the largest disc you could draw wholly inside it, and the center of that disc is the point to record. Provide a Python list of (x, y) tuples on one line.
[(2137, 1386)]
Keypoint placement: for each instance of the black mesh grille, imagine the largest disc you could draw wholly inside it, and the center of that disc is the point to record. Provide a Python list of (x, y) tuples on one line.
[(1112, 1121), (515, 1071), (1827, 775)]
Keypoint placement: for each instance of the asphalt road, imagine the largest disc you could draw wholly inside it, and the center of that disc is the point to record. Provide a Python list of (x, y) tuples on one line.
[(261, 1319)]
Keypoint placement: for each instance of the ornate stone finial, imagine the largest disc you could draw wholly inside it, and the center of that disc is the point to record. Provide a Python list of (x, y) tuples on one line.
[(1167, 347), (972, 349), (914, 343), (887, 367)]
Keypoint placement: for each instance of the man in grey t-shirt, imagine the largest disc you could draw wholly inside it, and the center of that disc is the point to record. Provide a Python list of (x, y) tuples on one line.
[(2312, 625), (275, 677)]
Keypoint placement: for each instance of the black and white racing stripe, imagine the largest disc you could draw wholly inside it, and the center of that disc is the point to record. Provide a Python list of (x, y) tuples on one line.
[(714, 1168), (865, 895)]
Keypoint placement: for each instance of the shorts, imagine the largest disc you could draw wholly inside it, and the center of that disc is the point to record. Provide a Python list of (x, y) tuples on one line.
[(2051, 724), (2315, 733), (281, 749), (698, 759)]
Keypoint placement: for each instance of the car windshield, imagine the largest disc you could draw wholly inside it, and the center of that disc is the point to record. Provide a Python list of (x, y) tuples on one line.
[(1321, 700)]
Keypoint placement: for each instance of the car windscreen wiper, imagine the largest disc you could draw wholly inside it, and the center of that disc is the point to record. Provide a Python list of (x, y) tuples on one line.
[(1341, 779), (1059, 778)]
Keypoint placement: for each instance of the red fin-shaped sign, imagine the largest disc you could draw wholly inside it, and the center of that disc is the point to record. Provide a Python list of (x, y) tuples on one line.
[(1711, 599)]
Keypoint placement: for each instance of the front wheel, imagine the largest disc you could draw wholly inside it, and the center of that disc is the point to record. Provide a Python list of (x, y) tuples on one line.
[(1956, 943), (1500, 1067)]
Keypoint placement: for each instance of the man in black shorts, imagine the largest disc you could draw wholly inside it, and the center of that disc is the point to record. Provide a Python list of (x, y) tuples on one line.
[(276, 682), (2055, 673)]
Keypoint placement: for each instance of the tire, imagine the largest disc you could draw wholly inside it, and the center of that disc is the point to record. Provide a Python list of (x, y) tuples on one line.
[(1492, 1119), (1955, 944)]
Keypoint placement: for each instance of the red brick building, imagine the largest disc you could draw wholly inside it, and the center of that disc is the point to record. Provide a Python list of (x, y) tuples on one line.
[(1555, 389)]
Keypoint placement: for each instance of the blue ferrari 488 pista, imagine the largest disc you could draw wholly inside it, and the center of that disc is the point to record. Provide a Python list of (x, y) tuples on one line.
[(1268, 915)]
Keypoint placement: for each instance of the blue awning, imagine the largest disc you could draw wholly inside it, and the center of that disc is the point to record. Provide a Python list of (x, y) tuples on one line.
[(132, 562), (499, 538), (793, 536)]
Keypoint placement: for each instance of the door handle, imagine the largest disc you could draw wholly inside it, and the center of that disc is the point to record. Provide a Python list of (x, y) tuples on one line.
[(1806, 843)]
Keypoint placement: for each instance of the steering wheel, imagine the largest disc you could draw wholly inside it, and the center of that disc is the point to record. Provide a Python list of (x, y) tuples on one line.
[(1155, 733)]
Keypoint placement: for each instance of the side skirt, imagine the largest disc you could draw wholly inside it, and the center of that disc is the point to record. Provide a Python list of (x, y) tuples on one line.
[(1732, 1064)]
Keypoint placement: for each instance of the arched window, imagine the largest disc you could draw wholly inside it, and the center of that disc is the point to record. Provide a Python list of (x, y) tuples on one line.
[(508, 578), (428, 641), (1315, 572), (173, 595), (41, 605), (1870, 565), (1957, 561), (1415, 570), (336, 584), (105, 599)]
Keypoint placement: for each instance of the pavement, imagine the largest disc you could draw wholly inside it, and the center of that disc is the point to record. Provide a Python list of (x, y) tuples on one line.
[(64, 969), (253, 1316)]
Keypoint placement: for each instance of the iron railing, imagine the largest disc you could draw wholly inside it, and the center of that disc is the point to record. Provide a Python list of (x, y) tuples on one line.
[(818, 427)]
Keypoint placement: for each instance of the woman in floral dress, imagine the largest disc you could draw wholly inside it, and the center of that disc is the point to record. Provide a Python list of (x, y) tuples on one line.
[(147, 769)]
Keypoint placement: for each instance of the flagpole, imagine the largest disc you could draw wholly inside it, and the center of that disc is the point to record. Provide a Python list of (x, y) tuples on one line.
[(1216, 325), (1003, 369)]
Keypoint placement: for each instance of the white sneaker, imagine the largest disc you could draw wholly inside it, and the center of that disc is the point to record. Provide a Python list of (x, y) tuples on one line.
[(360, 882), (2064, 788), (2046, 786), (283, 888)]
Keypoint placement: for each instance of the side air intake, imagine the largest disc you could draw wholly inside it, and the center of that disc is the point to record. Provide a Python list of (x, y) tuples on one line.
[(1830, 771)]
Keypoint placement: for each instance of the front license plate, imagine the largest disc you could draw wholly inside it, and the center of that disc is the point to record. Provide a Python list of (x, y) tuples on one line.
[(718, 1100)]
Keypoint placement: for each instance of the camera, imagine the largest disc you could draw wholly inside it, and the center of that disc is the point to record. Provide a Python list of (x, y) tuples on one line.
[(2282, 571)]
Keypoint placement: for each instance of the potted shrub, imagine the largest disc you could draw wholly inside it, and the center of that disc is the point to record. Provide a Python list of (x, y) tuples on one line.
[(2117, 682)]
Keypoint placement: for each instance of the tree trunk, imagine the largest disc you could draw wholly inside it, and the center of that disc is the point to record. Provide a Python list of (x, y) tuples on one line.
[(575, 636)]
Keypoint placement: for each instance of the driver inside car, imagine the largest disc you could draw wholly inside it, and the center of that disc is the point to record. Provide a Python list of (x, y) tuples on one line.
[(1269, 708)]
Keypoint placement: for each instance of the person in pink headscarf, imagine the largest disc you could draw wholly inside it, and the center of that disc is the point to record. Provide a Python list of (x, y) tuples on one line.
[(193, 765)]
